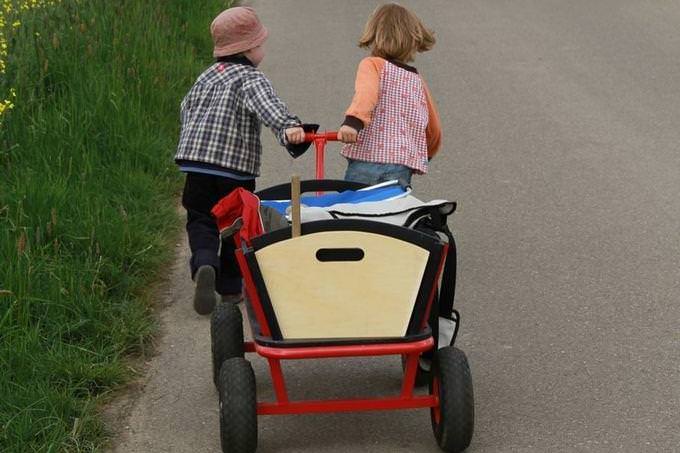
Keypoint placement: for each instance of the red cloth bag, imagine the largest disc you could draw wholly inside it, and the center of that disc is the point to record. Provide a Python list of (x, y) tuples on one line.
[(239, 204)]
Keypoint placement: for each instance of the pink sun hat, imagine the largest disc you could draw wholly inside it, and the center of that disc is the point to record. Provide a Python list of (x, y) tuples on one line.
[(236, 30)]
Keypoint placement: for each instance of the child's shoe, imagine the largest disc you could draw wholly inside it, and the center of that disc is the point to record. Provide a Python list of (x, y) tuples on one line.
[(204, 295)]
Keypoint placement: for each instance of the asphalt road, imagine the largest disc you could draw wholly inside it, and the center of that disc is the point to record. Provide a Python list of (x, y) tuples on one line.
[(562, 147)]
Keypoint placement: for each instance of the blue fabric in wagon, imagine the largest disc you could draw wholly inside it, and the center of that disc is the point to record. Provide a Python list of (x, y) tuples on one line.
[(379, 192), (387, 202)]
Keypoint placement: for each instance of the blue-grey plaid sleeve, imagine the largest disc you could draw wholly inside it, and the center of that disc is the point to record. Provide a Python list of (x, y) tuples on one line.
[(262, 101)]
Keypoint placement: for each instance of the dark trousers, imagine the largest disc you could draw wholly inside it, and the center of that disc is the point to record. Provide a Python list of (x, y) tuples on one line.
[(201, 193)]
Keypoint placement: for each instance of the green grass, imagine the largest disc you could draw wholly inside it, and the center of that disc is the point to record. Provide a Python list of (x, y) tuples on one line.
[(87, 203)]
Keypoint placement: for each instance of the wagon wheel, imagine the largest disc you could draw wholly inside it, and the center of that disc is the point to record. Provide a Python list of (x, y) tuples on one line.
[(226, 336), (451, 381), (238, 406)]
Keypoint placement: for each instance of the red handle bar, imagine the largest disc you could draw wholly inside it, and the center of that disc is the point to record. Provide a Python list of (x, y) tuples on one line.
[(319, 140), (325, 136)]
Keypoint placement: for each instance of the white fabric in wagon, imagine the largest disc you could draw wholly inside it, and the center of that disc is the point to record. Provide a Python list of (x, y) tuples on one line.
[(403, 211)]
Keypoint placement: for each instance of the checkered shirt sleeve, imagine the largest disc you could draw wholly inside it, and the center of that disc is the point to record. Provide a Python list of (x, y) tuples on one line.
[(262, 101)]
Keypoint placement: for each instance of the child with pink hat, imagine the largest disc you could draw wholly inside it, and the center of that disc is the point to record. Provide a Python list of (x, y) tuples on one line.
[(219, 146)]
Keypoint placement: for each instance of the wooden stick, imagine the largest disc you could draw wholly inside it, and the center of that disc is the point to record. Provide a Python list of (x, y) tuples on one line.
[(295, 205)]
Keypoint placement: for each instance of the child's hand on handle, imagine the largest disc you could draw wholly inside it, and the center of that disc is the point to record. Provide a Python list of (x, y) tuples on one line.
[(347, 134), (295, 135)]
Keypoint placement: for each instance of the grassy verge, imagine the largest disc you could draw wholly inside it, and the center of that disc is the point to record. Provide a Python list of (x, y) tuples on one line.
[(91, 91)]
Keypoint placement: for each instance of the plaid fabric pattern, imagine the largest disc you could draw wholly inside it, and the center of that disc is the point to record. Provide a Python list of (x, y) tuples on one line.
[(396, 134), (222, 116)]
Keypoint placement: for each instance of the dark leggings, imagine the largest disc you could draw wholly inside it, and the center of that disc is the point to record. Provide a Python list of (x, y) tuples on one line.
[(201, 193)]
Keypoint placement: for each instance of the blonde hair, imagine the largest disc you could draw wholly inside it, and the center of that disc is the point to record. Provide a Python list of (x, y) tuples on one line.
[(395, 33)]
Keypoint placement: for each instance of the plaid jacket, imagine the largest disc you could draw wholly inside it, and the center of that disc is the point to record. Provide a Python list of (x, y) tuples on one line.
[(222, 116)]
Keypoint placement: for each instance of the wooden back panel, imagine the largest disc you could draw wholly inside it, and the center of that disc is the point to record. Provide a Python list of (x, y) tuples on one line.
[(372, 297)]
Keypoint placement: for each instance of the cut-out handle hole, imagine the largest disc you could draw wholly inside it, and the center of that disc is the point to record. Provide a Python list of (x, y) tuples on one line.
[(340, 254)]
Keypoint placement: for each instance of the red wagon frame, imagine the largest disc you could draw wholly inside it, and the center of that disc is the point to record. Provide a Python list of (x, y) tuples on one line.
[(411, 350)]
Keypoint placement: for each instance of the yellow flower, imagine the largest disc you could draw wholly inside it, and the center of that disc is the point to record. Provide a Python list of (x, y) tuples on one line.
[(10, 13)]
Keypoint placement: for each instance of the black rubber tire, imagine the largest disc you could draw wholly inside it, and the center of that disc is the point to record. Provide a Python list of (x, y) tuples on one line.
[(456, 400), (226, 336), (238, 406)]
